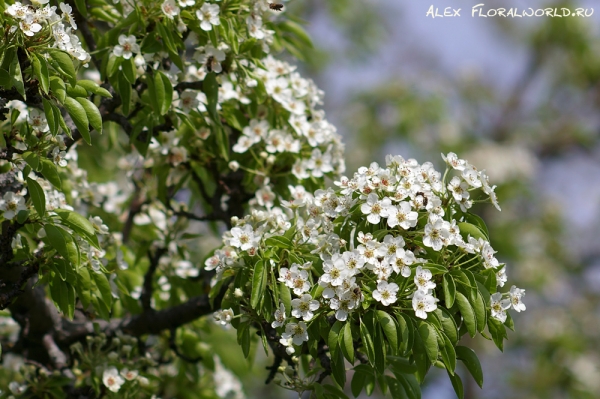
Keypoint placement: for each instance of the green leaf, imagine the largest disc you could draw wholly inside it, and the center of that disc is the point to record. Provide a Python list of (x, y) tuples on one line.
[(166, 93), (430, 341), (470, 360), (92, 112), (125, 93), (402, 365), (278, 242), (50, 172), (396, 389), (22, 216), (447, 351), (449, 290), (211, 89), (410, 385), (79, 224), (81, 7), (76, 91), (435, 268), (243, 337), (17, 77), (335, 391), (334, 336), (40, 68), (65, 64), (58, 87), (448, 324), (50, 116), (62, 241), (32, 160), (420, 357), (104, 288), (37, 196), (297, 31), (63, 295), (338, 367), (457, 385), (367, 341), (61, 267), (79, 116), (359, 380), (498, 332), (477, 221), (259, 283), (5, 79), (388, 325), (406, 333), (379, 347), (235, 118), (468, 315), (480, 312), (112, 67), (128, 69), (346, 343), (467, 229), (94, 88), (286, 297)]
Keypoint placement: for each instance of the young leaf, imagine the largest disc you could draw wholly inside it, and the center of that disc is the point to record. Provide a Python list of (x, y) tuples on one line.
[(37, 196), (79, 116)]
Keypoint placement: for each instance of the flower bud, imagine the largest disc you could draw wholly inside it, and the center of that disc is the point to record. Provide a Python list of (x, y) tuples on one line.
[(234, 165)]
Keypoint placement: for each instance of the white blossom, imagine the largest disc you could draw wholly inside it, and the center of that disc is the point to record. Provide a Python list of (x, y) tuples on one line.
[(208, 15), (112, 380)]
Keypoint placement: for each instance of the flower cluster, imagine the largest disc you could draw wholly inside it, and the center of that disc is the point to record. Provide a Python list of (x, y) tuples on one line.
[(383, 239), (35, 20)]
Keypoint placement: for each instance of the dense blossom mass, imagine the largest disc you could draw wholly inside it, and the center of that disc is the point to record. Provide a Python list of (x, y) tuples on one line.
[(376, 241)]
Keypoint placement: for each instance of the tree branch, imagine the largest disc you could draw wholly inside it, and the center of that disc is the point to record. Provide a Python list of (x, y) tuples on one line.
[(146, 296)]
